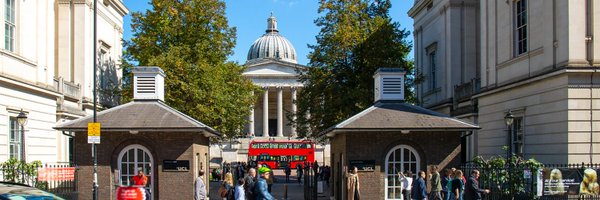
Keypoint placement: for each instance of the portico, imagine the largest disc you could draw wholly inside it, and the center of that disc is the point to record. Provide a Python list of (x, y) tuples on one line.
[(269, 116)]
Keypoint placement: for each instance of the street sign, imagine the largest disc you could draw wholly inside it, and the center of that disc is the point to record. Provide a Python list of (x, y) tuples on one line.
[(94, 133)]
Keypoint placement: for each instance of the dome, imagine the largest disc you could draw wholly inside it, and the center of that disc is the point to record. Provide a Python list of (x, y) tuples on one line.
[(272, 45)]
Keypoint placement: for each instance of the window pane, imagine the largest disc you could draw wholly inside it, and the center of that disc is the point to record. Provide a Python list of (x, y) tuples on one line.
[(130, 169), (140, 155), (390, 193), (130, 154)]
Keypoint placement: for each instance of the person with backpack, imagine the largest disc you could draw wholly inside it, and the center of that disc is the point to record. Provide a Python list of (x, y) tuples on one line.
[(250, 183), (261, 188)]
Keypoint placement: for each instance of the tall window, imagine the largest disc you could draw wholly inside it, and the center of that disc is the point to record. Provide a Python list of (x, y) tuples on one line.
[(520, 27), (9, 25), (132, 159), (401, 158), (14, 139), (432, 71), (517, 136)]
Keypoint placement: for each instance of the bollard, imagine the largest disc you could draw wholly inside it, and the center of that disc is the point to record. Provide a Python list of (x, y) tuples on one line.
[(285, 191)]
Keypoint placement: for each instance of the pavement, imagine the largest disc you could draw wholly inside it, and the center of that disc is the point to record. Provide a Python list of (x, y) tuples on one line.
[(295, 190)]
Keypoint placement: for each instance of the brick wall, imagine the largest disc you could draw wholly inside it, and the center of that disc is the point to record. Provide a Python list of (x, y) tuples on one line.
[(432, 147), (162, 146)]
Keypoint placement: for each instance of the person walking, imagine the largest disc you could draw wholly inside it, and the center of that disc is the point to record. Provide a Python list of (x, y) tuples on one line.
[(472, 190), (447, 184), (436, 184), (407, 185), (239, 190), (326, 174), (287, 171), (249, 183), (200, 187), (353, 183), (261, 190), (457, 185), (299, 172), (228, 185), (419, 190), (270, 180)]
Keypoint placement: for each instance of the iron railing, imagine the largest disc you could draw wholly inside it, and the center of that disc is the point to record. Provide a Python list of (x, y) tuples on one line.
[(522, 183), (59, 179)]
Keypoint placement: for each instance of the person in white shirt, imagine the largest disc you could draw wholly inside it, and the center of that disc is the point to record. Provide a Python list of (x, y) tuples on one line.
[(200, 187), (240, 194), (406, 183)]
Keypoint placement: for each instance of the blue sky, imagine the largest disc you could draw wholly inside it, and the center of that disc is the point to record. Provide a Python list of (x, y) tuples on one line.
[(294, 17)]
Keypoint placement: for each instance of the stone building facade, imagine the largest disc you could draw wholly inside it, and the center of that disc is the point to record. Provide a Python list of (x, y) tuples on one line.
[(534, 59), (46, 68)]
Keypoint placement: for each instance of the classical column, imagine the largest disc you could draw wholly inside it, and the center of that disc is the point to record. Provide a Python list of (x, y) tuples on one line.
[(279, 111), (251, 125), (294, 111), (266, 112)]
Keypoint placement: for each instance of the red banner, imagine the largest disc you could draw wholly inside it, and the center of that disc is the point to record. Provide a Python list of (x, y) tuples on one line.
[(56, 174), (131, 193)]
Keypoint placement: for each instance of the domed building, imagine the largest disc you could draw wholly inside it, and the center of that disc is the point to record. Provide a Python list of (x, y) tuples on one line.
[(272, 65)]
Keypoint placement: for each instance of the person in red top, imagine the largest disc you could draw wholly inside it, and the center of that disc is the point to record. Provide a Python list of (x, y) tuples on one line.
[(140, 179)]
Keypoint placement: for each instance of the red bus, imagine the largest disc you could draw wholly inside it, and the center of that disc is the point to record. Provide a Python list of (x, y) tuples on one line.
[(278, 154)]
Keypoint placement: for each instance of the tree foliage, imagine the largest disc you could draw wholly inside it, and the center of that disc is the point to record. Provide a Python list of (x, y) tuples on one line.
[(507, 176), (356, 38), (190, 40)]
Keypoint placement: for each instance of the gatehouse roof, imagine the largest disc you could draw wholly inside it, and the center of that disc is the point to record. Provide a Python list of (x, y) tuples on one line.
[(399, 116), (140, 115)]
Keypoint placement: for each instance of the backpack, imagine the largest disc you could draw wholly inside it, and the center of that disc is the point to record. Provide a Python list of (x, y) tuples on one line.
[(231, 194)]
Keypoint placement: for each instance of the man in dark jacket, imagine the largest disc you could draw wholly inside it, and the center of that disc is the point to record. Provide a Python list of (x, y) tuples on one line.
[(418, 187), (472, 190), (250, 180)]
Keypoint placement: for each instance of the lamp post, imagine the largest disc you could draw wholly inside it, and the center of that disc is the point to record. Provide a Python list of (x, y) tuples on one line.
[(509, 119), (22, 120)]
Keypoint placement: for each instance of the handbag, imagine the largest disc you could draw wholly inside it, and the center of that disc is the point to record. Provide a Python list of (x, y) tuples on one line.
[(222, 191)]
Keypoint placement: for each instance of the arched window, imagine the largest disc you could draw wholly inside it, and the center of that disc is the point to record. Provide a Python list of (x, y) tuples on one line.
[(401, 158), (133, 158)]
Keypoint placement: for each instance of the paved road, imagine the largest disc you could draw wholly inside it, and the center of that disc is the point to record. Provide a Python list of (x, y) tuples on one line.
[(295, 189)]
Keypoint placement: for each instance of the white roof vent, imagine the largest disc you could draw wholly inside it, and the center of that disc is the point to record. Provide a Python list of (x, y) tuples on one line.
[(389, 84), (148, 83)]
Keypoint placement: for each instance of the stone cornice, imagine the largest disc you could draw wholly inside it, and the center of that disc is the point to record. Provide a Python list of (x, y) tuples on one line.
[(418, 8), (119, 7)]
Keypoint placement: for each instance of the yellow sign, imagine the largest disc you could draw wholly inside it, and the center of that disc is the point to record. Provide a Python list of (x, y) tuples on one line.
[(93, 129)]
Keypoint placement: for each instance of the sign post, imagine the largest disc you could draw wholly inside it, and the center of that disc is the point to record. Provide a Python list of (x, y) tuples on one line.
[(93, 133)]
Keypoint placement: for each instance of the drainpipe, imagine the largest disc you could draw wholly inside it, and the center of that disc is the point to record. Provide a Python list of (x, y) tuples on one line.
[(590, 58)]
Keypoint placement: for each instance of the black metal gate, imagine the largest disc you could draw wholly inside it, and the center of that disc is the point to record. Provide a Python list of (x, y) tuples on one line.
[(310, 181)]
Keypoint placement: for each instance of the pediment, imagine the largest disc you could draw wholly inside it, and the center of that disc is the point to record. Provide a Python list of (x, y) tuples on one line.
[(271, 70)]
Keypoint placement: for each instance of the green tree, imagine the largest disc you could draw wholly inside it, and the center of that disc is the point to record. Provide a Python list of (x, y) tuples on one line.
[(190, 40), (357, 37)]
